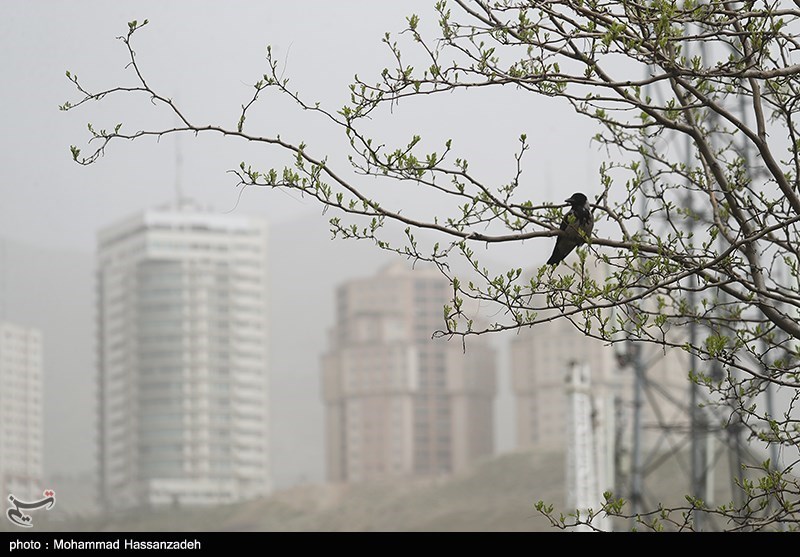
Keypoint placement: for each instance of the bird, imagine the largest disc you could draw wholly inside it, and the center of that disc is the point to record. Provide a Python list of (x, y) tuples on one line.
[(577, 225)]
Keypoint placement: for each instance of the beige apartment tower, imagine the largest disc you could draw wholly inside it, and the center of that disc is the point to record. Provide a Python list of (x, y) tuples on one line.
[(398, 403), (540, 360)]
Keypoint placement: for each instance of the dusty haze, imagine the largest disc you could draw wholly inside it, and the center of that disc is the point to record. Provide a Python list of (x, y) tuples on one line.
[(205, 54)]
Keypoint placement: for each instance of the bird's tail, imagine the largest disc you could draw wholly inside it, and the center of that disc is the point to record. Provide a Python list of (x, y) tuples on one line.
[(556, 258)]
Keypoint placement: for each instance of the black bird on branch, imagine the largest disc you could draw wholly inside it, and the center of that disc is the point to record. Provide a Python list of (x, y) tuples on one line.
[(576, 226)]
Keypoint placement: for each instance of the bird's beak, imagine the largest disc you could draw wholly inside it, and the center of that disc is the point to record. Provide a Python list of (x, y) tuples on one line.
[(568, 200)]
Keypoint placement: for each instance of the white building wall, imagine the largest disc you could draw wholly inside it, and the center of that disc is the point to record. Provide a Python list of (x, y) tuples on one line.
[(183, 352), (21, 412)]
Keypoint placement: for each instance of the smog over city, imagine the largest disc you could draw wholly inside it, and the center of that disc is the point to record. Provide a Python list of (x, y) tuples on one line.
[(442, 266)]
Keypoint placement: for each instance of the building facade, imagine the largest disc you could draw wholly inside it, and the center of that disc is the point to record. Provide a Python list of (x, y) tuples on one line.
[(182, 352), (540, 361), (21, 412), (541, 358), (397, 402)]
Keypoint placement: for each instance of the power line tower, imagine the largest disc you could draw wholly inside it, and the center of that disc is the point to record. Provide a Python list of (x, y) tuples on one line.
[(711, 433), (707, 439)]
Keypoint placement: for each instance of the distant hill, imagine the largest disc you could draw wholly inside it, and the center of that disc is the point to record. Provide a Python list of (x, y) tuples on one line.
[(498, 495)]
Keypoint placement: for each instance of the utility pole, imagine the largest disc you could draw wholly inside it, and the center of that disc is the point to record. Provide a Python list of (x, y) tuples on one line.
[(586, 452), (637, 475)]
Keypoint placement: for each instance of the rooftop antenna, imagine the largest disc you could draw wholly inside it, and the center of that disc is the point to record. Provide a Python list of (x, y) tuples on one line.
[(180, 198), (3, 277)]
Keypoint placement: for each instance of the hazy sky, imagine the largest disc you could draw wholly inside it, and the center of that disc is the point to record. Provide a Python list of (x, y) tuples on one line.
[(207, 55)]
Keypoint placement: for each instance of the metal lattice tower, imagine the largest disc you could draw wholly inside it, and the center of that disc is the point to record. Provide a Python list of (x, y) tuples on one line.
[(707, 443)]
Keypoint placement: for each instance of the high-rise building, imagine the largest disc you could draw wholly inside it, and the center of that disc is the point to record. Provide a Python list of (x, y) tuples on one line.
[(541, 358), (182, 353), (21, 412), (540, 361), (397, 402)]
